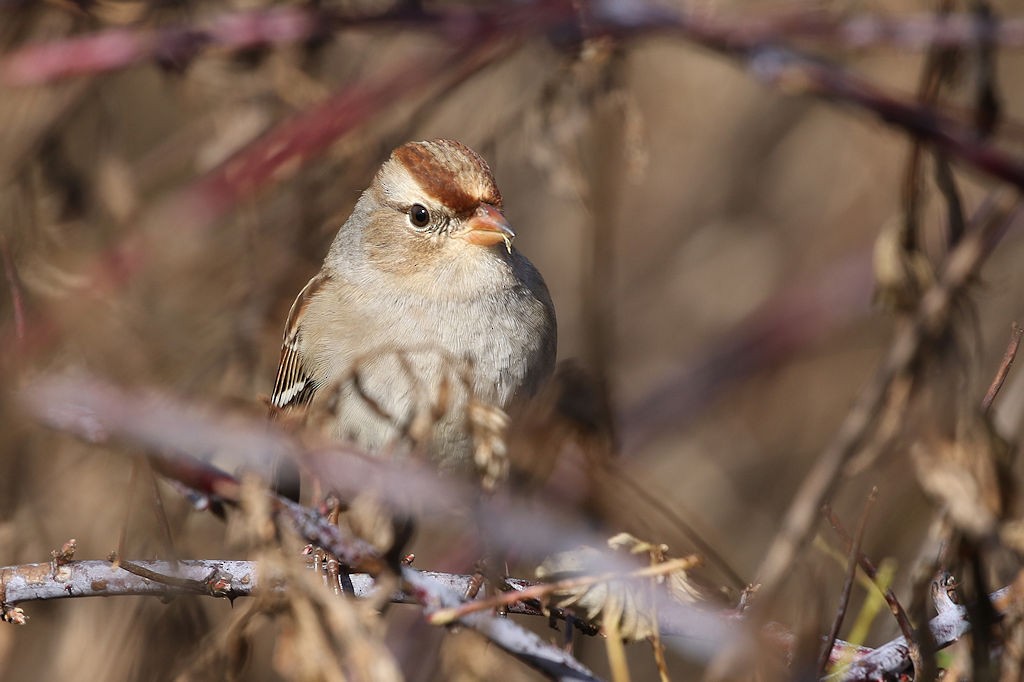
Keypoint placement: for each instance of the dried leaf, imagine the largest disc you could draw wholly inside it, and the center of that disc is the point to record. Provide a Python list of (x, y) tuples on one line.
[(625, 604), (967, 474), (900, 275)]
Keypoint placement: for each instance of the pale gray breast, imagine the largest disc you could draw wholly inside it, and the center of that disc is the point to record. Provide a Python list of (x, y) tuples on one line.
[(409, 364)]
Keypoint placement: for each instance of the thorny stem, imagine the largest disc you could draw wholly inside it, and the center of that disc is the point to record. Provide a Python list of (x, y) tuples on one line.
[(1016, 333)]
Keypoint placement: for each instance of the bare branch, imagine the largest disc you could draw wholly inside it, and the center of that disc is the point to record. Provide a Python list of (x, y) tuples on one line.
[(930, 318), (116, 49), (893, 657), (868, 566), (1016, 333), (232, 579), (851, 574)]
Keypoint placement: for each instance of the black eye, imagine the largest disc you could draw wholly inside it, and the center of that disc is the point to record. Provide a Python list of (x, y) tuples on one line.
[(419, 215)]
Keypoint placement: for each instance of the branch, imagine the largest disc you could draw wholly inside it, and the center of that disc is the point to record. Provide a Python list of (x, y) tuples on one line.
[(478, 38), (167, 430), (72, 579), (196, 577), (437, 591), (868, 566), (116, 49), (893, 657), (521, 643), (757, 42), (929, 320), (104, 411), (1016, 333), (851, 575)]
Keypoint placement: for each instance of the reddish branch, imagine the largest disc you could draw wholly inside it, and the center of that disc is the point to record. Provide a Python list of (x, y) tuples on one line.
[(756, 41), (116, 49), (120, 48)]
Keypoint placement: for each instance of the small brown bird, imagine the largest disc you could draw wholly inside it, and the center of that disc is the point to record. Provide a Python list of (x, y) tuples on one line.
[(422, 308)]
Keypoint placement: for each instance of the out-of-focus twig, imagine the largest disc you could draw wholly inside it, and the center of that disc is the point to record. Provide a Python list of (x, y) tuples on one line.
[(851, 574), (909, 32), (14, 287), (929, 320), (1016, 333), (892, 658), (793, 72), (169, 431), (762, 49), (803, 312), (116, 49), (869, 568)]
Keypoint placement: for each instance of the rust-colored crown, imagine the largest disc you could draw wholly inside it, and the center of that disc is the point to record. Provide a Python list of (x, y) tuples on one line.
[(450, 172)]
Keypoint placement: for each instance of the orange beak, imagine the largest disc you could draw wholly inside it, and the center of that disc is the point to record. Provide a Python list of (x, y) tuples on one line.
[(488, 227)]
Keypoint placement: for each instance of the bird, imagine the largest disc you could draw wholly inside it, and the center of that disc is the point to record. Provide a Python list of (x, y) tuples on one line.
[(423, 309)]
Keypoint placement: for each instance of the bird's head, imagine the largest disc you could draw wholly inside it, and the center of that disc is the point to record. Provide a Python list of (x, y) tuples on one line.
[(434, 204)]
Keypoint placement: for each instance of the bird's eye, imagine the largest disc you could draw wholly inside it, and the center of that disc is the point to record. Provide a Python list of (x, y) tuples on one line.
[(419, 216)]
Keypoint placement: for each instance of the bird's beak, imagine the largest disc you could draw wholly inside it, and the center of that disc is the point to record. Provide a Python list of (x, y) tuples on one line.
[(488, 227)]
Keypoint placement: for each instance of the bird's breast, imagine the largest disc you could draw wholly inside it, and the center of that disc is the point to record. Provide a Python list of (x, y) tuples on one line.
[(406, 367)]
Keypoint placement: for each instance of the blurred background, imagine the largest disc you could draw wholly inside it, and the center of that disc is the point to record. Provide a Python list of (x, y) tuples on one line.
[(706, 239)]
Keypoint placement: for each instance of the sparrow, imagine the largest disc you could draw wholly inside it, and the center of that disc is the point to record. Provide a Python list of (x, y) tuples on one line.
[(422, 311)]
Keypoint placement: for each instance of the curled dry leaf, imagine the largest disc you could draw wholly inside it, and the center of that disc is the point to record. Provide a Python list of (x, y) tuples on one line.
[(901, 275), (967, 474)]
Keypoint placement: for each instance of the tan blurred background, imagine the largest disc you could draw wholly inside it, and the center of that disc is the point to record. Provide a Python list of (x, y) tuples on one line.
[(672, 203)]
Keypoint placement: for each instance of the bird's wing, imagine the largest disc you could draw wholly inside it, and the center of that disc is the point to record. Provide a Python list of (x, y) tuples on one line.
[(294, 386)]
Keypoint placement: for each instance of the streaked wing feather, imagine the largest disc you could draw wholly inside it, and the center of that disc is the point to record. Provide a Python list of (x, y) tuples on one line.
[(294, 386)]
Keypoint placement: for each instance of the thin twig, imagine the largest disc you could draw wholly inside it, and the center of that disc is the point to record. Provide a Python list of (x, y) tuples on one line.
[(929, 320), (851, 574), (624, 477), (946, 183), (133, 483), (116, 49), (1016, 333), (160, 511), (14, 287), (871, 571), (542, 591)]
